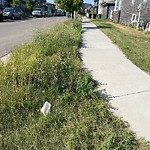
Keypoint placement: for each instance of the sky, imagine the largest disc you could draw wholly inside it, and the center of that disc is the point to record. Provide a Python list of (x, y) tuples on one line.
[(85, 1)]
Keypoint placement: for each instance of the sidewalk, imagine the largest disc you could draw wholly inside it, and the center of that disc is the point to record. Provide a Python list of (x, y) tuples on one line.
[(127, 87)]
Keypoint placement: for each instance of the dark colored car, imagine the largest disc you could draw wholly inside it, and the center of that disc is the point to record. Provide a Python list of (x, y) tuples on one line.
[(12, 13), (48, 13), (1, 15)]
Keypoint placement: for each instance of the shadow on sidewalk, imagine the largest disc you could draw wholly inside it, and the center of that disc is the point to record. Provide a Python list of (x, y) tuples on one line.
[(86, 22), (105, 95), (98, 27), (102, 92), (89, 27), (84, 45), (103, 27)]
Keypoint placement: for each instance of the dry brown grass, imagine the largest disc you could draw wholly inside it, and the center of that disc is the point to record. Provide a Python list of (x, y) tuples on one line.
[(129, 30)]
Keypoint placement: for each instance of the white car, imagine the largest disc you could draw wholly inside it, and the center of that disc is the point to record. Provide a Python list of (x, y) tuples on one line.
[(38, 12)]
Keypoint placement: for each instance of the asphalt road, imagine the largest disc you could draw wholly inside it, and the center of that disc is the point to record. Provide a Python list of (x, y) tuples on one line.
[(15, 33)]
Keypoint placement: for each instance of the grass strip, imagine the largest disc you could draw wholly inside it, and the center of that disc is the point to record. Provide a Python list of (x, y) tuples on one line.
[(49, 69), (134, 44)]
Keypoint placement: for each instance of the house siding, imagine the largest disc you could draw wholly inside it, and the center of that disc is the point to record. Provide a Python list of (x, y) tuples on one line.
[(105, 11), (145, 13), (104, 8), (127, 9), (116, 16), (85, 7)]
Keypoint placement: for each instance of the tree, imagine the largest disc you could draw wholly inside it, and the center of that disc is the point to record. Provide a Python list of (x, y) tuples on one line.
[(69, 5), (28, 6), (36, 5), (16, 3)]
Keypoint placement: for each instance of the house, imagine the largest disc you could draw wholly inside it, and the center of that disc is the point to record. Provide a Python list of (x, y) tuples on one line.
[(131, 11), (105, 8), (53, 6), (85, 8)]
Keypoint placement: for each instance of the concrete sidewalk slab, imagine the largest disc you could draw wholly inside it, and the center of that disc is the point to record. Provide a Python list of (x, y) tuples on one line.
[(127, 85)]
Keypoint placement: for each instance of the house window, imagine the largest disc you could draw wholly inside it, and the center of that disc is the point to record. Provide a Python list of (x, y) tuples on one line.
[(133, 1), (134, 18)]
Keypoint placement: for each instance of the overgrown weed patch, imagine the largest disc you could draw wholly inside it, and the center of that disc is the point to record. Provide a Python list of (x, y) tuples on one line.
[(49, 69)]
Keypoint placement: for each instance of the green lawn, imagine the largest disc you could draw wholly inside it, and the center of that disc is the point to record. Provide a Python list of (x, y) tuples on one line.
[(134, 44)]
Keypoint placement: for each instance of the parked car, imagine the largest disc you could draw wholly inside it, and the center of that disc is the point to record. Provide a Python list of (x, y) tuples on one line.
[(12, 13), (60, 12), (38, 12), (1, 15), (1, 12), (48, 13)]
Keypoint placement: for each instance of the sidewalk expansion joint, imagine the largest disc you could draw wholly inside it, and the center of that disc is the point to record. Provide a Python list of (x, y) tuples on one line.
[(134, 93)]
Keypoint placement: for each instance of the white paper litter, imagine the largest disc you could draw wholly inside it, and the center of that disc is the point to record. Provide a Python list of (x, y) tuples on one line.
[(46, 108)]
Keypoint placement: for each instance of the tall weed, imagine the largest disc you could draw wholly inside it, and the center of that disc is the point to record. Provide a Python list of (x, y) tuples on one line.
[(49, 70)]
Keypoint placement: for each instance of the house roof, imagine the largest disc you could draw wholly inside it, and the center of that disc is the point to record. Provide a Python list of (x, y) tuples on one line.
[(106, 2), (86, 5)]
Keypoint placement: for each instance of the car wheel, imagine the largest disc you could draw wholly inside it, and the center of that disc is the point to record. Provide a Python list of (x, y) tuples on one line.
[(13, 18), (1, 19), (21, 17)]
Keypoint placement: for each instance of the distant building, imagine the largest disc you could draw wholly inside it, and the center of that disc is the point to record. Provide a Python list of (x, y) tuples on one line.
[(105, 8), (50, 5), (42, 2), (85, 8), (131, 11)]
